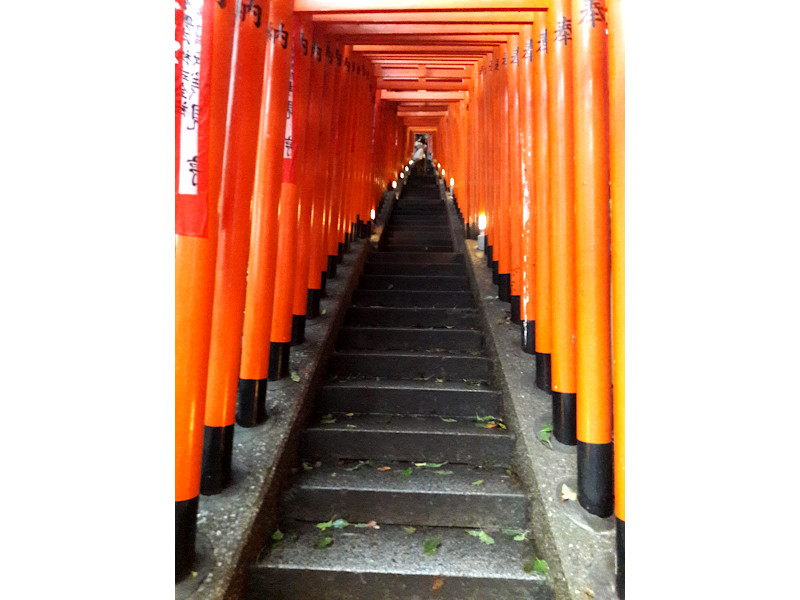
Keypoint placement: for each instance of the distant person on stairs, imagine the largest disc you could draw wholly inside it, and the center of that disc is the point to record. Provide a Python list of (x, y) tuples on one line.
[(419, 157)]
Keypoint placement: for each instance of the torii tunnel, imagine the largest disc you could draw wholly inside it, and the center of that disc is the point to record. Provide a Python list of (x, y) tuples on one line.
[(307, 128)]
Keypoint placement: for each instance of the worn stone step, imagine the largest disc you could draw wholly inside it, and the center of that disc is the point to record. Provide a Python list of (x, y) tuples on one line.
[(424, 298), (404, 366), (413, 282), (454, 341), (408, 237), (407, 438), (448, 398), (437, 318), (408, 494), (416, 257), (389, 563), (431, 269), (421, 247)]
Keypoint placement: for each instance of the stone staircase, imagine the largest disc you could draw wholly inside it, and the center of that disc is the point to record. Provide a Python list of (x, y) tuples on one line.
[(406, 489)]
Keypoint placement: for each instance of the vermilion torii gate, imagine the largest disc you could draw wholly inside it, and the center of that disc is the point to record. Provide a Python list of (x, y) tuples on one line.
[(525, 104)]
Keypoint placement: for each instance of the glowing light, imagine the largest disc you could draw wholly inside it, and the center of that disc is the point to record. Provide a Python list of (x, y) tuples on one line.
[(394, 185), (442, 172), (438, 165), (402, 176), (406, 169), (452, 182), (481, 222), (372, 214), (411, 162)]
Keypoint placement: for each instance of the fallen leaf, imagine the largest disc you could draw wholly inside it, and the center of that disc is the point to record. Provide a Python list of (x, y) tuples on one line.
[(479, 482), (324, 542), (295, 377), (438, 582), (544, 435), (306, 466), (277, 537), (384, 468), (373, 525), (567, 493), (406, 472), (443, 472), (481, 535), (324, 525), (540, 566), (449, 420), (409, 530), (430, 546), (349, 414), (323, 311), (340, 523)]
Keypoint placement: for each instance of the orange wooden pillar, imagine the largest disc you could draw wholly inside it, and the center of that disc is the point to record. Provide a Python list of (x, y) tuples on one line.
[(513, 175), (616, 75), (196, 242), (293, 148), (332, 193), (541, 190), (562, 221), (232, 251), (308, 129), (528, 198), (593, 258), (263, 261), (320, 87), (500, 177)]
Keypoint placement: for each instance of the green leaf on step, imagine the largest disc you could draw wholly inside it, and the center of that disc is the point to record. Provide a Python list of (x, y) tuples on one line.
[(500, 321), (449, 420), (349, 414), (509, 472), (482, 536), (486, 418), (327, 419), (518, 534), (409, 530), (406, 472), (306, 466), (351, 426), (295, 377), (361, 463), (324, 542), (511, 532), (521, 537), (540, 566), (479, 482), (430, 546), (442, 472), (430, 465), (567, 493), (544, 435), (277, 537), (340, 523), (501, 426), (325, 525), (528, 565), (360, 525), (449, 326)]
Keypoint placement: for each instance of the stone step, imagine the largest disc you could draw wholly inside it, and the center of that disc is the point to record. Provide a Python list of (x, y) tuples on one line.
[(409, 366), (407, 438), (416, 257), (428, 269), (412, 339), (406, 494), (390, 563), (421, 247), (412, 298), (448, 398), (413, 282), (436, 318)]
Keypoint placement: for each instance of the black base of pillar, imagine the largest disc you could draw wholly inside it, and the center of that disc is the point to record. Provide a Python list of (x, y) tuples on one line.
[(278, 360), (515, 312), (543, 381), (342, 250), (298, 329), (312, 304), (504, 286), (332, 266), (595, 478), (323, 283), (488, 251), (495, 272), (564, 415), (215, 475), (621, 559), (528, 329), (251, 402), (185, 536), (347, 242)]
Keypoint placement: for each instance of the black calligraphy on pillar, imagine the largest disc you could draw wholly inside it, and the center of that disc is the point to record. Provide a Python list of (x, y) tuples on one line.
[(221, 3), (528, 52), (304, 44), (515, 56), (338, 58), (273, 35), (563, 30), (592, 11), (505, 59), (316, 51), (542, 42), (195, 117), (347, 64), (253, 9), (287, 145), (289, 110), (329, 54), (497, 64), (192, 162)]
